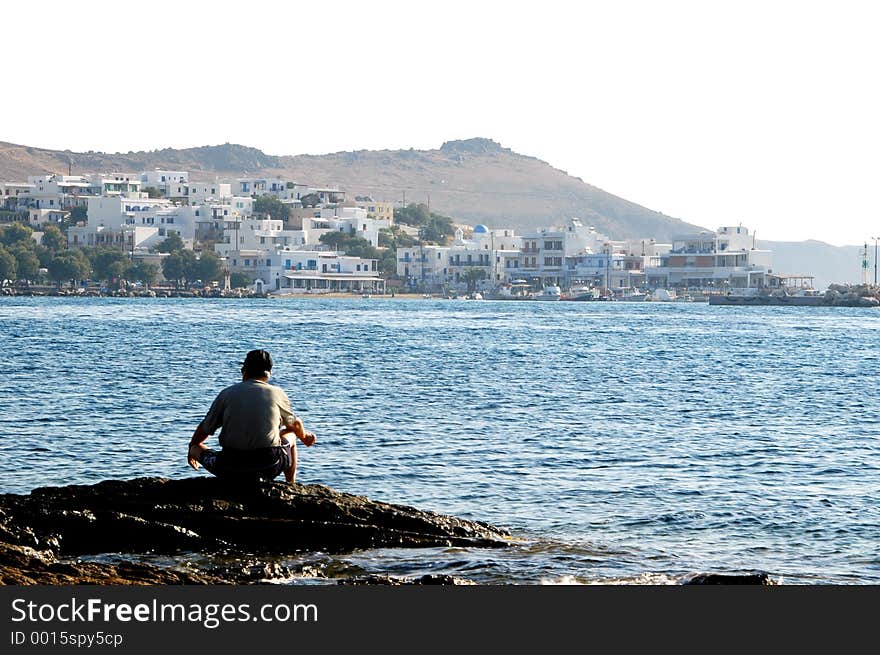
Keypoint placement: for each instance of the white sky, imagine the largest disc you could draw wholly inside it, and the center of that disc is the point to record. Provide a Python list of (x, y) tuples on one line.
[(764, 113)]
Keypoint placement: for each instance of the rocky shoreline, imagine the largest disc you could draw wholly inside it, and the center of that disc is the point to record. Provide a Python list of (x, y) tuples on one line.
[(44, 534), (207, 531)]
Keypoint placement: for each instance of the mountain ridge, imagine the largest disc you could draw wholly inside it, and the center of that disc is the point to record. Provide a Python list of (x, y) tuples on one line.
[(474, 180)]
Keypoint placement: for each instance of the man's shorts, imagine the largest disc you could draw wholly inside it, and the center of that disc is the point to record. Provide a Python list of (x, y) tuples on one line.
[(258, 464)]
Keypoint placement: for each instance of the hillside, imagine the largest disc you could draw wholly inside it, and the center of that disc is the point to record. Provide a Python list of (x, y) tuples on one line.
[(829, 264), (474, 181)]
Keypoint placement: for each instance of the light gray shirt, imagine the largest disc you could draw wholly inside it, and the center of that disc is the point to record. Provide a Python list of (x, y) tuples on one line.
[(250, 413)]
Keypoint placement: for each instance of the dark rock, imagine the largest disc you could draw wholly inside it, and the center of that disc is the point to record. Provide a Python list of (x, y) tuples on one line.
[(755, 578), (395, 581), (208, 515), (20, 565)]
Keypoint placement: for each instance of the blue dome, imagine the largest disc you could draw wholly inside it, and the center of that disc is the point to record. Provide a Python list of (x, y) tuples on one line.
[(481, 229)]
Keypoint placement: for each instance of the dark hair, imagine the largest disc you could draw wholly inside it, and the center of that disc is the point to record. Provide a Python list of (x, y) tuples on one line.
[(256, 364)]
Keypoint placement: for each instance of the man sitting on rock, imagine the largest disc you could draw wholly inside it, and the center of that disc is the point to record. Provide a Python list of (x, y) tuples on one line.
[(251, 414)]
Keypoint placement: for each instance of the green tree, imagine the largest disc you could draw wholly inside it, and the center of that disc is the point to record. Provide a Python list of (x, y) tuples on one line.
[(69, 265), (412, 214), (271, 206), (388, 263), (54, 239), (472, 276), (209, 267), (438, 229), (171, 243), (7, 265), (152, 192), (109, 264), (15, 233), (145, 272), (172, 267), (239, 280), (78, 214), (310, 200), (181, 267), (350, 245), (27, 263)]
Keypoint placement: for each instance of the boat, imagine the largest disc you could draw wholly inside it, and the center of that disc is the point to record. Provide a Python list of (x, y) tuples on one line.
[(634, 296), (663, 295), (515, 291), (550, 292)]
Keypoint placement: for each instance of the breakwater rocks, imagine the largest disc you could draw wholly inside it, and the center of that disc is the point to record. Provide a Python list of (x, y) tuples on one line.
[(43, 533), (132, 293)]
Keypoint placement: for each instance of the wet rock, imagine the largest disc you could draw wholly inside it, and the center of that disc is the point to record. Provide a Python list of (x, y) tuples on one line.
[(208, 515), (21, 565), (396, 581), (755, 578)]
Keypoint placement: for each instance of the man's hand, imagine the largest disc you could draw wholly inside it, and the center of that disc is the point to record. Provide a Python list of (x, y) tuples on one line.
[(308, 438), (191, 456)]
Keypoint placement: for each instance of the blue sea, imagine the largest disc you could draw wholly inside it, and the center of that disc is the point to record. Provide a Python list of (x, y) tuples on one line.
[(619, 442)]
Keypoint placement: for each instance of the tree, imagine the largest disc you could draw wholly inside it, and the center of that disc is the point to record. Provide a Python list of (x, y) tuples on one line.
[(310, 200), (271, 206), (27, 263), (109, 264), (7, 265), (68, 265), (152, 192), (171, 243), (145, 272), (209, 267), (239, 281), (172, 267), (53, 238), (388, 263), (412, 214), (15, 233), (350, 245), (435, 227), (472, 276), (78, 214), (180, 267)]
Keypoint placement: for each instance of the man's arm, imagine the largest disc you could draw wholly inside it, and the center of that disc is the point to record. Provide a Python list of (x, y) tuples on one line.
[(197, 439), (308, 438)]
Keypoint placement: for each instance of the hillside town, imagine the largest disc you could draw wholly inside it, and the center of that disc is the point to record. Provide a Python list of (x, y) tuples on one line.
[(278, 236)]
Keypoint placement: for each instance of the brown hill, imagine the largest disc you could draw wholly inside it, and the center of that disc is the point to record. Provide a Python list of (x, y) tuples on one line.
[(474, 181)]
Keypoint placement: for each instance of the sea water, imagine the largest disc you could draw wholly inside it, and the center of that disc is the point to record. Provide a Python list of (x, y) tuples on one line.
[(619, 442)]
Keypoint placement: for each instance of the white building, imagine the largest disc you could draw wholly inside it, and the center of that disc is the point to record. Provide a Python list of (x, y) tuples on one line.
[(542, 260), (351, 220), (172, 184), (494, 252), (37, 217), (133, 222), (208, 192), (257, 235), (725, 259), (426, 265), (296, 271)]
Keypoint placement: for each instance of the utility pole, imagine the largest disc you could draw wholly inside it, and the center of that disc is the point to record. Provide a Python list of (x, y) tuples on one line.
[(875, 259), (608, 268)]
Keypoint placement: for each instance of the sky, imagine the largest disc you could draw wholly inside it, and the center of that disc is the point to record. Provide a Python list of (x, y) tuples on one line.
[(720, 113)]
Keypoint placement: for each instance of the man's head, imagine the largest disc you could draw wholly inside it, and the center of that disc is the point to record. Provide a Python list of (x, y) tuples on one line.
[(257, 364)]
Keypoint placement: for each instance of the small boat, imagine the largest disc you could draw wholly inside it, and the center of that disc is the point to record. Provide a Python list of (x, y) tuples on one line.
[(634, 296), (550, 292)]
